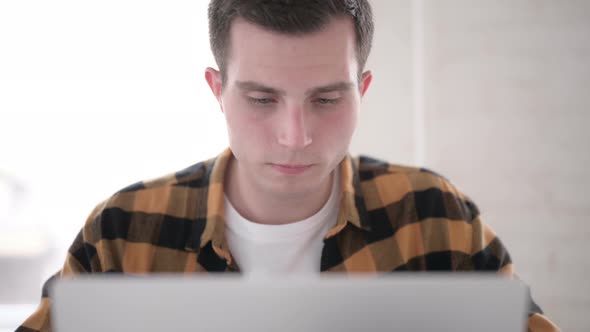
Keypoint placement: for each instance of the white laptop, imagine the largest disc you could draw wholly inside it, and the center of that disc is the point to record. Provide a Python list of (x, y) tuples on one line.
[(459, 302)]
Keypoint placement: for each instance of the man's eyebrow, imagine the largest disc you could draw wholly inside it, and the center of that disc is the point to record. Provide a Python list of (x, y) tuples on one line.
[(338, 86), (254, 86)]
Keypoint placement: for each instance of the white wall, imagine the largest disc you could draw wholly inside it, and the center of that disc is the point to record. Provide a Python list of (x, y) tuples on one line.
[(386, 119)]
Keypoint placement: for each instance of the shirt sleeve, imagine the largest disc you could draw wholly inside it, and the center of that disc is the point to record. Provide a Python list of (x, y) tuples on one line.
[(492, 255)]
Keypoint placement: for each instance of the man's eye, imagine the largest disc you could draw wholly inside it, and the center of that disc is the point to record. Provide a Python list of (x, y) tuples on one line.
[(260, 101), (326, 101)]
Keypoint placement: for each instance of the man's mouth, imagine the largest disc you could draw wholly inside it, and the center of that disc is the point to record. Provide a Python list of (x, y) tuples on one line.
[(291, 169)]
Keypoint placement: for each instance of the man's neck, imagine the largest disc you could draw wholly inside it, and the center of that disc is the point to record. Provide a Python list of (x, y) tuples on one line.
[(265, 207)]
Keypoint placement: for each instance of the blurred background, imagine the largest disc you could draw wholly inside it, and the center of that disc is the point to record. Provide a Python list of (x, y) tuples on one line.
[(492, 94)]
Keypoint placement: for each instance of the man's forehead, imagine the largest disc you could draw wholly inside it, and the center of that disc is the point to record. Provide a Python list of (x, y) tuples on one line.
[(335, 40), (264, 56)]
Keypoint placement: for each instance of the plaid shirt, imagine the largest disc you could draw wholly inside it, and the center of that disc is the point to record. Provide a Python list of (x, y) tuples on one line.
[(391, 218)]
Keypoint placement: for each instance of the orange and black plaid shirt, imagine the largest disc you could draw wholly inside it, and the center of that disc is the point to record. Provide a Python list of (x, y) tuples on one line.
[(391, 218)]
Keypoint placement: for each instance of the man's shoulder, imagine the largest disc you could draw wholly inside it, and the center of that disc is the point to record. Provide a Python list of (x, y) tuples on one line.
[(385, 173), (195, 176), (163, 196), (431, 194)]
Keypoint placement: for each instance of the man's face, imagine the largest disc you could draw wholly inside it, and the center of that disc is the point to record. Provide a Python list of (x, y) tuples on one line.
[(291, 104)]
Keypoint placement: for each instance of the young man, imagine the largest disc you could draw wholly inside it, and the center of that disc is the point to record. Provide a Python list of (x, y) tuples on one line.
[(285, 197)]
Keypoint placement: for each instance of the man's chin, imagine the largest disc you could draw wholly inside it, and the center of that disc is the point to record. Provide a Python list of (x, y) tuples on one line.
[(298, 184)]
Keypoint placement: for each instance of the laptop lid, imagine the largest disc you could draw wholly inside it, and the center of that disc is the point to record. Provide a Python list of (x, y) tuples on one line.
[(394, 302)]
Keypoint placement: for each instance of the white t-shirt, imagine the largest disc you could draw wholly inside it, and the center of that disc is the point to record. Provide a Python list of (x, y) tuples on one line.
[(293, 248)]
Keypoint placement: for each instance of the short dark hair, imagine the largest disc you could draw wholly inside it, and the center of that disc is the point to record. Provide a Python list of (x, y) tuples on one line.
[(289, 17)]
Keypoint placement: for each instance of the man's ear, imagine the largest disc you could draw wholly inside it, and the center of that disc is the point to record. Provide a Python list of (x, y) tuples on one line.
[(366, 79), (213, 78)]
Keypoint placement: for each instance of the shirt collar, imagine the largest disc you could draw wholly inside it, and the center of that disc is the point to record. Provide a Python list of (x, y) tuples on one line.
[(352, 208)]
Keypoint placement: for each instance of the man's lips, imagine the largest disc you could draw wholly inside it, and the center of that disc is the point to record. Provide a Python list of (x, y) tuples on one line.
[(291, 169)]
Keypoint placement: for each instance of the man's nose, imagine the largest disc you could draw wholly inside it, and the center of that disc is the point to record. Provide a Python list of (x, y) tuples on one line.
[(294, 129)]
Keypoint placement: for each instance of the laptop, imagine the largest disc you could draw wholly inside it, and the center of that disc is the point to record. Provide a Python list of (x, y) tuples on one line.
[(460, 302)]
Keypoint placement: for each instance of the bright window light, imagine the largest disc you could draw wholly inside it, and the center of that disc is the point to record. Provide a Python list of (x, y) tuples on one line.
[(95, 96)]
